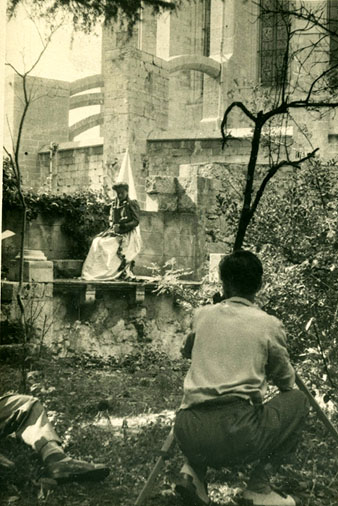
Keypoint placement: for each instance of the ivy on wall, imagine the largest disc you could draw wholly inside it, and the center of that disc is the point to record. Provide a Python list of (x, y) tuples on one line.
[(84, 213)]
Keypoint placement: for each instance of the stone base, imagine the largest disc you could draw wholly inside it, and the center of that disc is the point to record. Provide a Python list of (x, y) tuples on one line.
[(67, 268), (33, 270)]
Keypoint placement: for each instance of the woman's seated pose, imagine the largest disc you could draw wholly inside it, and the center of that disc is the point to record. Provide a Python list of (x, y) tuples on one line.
[(113, 252)]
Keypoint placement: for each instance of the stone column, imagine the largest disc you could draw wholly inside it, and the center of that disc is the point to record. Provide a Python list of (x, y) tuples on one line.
[(212, 87), (239, 55), (314, 63), (136, 103)]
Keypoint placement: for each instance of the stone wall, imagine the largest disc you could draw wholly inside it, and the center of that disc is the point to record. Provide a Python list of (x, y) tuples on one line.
[(166, 154), (143, 97), (165, 235), (113, 324), (76, 166), (181, 221), (46, 120), (136, 103), (44, 233), (186, 86), (191, 194)]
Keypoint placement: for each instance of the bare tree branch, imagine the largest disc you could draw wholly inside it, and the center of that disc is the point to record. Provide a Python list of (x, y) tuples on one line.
[(11, 162), (273, 170), (319, 78), (243, 108), (15, 70), (11, 134)]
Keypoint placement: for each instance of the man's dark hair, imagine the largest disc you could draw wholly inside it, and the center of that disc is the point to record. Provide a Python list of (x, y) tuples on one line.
[(243, 271)]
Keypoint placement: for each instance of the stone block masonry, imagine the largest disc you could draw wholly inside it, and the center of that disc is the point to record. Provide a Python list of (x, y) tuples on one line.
[(46, 121), (75, 166), (113, 324), (136, 103), (166, 153), (165, 235), (33, 271)]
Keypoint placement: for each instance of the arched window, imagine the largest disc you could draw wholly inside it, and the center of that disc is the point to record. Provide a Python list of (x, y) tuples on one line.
[(273, 41)]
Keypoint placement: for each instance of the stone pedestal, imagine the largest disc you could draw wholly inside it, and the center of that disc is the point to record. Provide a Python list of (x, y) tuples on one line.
[(36, 267)]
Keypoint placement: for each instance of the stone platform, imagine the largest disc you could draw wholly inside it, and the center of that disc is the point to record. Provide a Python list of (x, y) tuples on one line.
[(102, 318), (89, 288)]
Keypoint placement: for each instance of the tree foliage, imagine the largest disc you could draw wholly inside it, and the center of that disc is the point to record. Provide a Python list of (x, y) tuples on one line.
[(295, 232), (86, 13)]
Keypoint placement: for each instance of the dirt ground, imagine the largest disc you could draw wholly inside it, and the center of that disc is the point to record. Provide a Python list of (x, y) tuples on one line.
[(119, 414)]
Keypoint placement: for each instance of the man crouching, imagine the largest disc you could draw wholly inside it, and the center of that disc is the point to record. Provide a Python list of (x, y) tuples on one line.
[(222, 420)]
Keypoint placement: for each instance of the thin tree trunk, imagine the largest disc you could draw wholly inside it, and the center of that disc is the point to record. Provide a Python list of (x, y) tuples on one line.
[(245, 217)]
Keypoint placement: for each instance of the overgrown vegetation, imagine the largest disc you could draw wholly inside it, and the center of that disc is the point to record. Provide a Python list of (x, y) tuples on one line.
[(124, 408), (85, 15), (119, 412), (85, 213), (295, 233)]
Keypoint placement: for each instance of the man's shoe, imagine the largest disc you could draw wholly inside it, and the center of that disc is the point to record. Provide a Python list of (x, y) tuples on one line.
[(271, 498), (188, 492), (67, 470)]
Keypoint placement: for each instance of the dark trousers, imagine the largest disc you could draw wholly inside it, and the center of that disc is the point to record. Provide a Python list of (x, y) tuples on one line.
[(238, 432)]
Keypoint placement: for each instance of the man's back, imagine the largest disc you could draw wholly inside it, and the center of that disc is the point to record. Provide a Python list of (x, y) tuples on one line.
[(235, 345)]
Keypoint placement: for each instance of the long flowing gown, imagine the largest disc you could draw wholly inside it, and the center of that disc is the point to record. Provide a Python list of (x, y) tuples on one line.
[(111, 254)]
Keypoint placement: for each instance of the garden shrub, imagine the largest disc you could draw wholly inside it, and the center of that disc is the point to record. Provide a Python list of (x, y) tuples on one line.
[(85, 213), (295, 233)]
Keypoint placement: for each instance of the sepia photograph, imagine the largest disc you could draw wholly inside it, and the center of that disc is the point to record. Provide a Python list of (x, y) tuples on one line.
[(169, 253)]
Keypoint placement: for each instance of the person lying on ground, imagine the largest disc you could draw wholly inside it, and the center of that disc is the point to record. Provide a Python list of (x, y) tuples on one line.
[(235, 348), (24, 416), (112, 253)]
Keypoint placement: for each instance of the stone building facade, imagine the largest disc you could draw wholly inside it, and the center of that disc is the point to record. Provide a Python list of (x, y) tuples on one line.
[(171, 80), (162, 94)]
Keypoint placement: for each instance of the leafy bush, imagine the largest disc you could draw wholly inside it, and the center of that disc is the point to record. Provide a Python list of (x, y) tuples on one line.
[(295, 233), (12, 332), (85, 213)]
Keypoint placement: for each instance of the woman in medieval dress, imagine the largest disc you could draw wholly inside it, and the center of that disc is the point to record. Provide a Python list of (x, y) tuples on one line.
[(112, 253)]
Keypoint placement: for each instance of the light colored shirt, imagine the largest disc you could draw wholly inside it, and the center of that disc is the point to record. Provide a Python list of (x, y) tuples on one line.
[(237, 347)]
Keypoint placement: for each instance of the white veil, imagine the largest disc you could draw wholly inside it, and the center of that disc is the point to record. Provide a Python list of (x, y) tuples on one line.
[(126, 176)]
